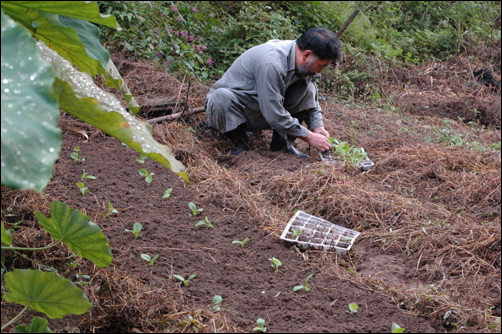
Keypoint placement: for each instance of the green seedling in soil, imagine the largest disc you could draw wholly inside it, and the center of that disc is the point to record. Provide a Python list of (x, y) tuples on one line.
[(167, 193), (111, 210), (75, 155), (305, 287), (204, 222), (194, 209), (275, 263), (242, 243), (136, 229), (352, 308), (141, 159), (354, 156), (148, 176), (87, 176), (150, 259), (185, 281), (296, 232), (216, 303), (82, 188), (260, 326), (396, 328)]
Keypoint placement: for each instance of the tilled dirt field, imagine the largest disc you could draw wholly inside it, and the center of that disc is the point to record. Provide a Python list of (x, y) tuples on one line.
[(428, 257)]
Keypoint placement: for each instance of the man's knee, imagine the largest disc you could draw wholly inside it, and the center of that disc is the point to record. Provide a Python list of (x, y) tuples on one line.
[(223, 110)]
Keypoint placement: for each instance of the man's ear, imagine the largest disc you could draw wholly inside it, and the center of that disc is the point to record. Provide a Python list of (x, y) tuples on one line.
[(306, 54)]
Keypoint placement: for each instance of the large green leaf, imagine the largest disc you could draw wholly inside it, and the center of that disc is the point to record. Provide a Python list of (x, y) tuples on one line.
[(78, 232), (81, 97), (44, 292), (37, 325), (64, 27), (31, 140), (84, 10)]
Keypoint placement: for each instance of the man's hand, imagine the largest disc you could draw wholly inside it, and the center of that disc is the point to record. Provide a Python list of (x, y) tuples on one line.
[(321, 130), (319, 141)]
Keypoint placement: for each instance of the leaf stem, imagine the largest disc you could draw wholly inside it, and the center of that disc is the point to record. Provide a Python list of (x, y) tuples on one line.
[(32, 249), (16, 317)]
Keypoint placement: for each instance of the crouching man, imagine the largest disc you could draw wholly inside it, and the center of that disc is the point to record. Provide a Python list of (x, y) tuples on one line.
[(271, 86)]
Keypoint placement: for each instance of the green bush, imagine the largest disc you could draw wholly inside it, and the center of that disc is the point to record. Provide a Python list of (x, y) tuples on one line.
[(204, 38)]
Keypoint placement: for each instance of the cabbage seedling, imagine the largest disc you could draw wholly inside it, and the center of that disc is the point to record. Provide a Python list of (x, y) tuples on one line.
[(204, 222), (352, 308), (396, 328), (305, 287), (82, 188), (75, 155), (216, 303), (148, 176), (150, 259), (137, 227), (141, 158), (296, 232), (261, 326), (242, 243), (275, 263), (185, 281), (111, 210), (167, 193), (87, 176), (194, 209)]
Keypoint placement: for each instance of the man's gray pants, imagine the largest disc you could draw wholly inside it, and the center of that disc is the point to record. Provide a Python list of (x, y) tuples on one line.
[(226, 110)]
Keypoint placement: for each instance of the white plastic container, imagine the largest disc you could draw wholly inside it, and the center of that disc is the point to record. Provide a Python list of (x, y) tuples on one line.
[(318, 233)]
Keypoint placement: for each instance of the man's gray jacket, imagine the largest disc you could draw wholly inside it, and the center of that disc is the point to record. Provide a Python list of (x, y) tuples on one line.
[(261, 90)]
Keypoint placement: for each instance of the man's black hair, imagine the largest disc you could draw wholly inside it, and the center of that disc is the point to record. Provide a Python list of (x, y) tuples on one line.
[(323, 43)]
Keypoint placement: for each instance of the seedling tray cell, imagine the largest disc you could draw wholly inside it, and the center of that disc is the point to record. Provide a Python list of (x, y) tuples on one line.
[(366, 165), (318, 233)]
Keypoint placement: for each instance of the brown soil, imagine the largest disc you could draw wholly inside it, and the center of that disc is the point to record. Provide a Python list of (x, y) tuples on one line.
[(429, 214)]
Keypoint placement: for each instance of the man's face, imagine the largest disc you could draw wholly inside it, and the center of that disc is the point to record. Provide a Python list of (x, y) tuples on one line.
[(311, 66)]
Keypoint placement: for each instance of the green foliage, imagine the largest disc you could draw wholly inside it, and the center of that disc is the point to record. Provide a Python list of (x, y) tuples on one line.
[(275, 263), (260, 326), (204, 222), (353, 307), (204, 38), (78, 232), (49, 292), (305, 287), (186, 282), (136, 230)]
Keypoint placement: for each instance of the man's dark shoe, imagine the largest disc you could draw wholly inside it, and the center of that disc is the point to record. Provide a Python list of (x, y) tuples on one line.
[(239, 138), (279, 143)]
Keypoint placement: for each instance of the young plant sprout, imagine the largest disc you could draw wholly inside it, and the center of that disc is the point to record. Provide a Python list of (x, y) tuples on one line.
[(260, 326), (185, 281), (353, 156), (194, 209), (150, 259), (148, 176), (167, 193), (82, 188), (204, 222), (242, 243), (111, 210), (396, 328), (87, 176), (216, 303), (275, 263), (352, 308), (296, 232), (75, 155), (136, 229), (141, 159), (305, 287)]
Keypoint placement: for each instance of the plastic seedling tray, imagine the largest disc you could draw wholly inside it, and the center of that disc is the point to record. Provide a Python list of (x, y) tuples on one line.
[(318, 233), (366, 165)]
